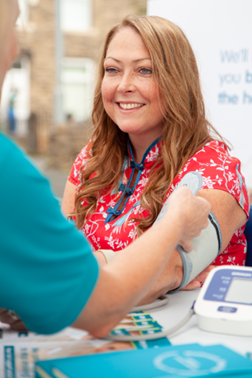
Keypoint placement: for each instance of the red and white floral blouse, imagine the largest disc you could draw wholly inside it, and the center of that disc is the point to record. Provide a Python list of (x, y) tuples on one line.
[(112, 228)]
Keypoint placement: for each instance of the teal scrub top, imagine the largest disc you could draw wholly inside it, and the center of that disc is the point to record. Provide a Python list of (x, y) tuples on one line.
[(47, 269)]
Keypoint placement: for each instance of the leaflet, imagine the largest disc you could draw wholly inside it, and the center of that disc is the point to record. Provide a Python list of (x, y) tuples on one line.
[(20, 350)]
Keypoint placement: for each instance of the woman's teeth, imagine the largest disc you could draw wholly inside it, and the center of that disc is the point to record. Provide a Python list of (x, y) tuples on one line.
[(130, 106)]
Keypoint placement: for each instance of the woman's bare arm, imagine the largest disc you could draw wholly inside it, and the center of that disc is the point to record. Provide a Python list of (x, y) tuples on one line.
[(230, 217), (227, 211)]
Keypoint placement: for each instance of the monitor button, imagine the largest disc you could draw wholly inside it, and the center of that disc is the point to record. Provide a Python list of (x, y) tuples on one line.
[(227, 309)]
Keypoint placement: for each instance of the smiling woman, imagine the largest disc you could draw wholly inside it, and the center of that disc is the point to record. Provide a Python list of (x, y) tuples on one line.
[(150, 129)]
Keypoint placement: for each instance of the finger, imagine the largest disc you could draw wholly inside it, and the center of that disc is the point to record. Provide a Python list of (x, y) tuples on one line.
[(199, 279), (202, 276), (192, 285)]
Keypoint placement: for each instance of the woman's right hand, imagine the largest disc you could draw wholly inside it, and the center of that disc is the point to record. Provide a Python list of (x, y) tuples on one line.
[(191, 214)]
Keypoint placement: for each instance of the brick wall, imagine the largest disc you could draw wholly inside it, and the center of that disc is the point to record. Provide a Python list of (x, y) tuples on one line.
[(38, 39)]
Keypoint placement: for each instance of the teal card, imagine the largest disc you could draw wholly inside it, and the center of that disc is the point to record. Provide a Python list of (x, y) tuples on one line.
[(191, 360)]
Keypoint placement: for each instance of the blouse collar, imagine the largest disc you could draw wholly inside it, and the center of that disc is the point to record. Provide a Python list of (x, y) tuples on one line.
[(150, 156)]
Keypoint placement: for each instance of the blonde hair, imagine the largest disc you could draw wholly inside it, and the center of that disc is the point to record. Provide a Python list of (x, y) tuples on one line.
[(185, 130)]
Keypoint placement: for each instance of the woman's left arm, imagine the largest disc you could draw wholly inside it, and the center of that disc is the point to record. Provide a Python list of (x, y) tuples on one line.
[(228, 212), (230, 217)]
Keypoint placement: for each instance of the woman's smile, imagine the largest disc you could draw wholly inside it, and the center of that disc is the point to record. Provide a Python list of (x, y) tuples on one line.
[(129, 106)]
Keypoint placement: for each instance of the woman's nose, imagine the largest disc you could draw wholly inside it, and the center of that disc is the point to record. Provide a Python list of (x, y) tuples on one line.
[(126, 84)]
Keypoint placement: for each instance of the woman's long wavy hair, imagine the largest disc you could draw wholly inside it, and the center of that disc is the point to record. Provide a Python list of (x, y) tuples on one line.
[(185, 130)]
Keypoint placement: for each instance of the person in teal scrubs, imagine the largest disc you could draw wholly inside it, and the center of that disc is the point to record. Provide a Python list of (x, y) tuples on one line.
[(39, 249), (49, 277)]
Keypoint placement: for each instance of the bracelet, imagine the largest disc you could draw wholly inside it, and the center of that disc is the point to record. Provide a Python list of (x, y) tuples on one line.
[(108, 254)]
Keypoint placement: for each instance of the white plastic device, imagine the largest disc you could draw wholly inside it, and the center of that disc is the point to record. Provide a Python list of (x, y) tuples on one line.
[(224, 304)]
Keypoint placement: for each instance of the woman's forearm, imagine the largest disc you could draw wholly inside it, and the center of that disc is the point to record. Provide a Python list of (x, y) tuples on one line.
[(170, 278)]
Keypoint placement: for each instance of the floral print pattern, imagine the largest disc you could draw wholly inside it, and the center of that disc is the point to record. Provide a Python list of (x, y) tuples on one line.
[(219, 171)]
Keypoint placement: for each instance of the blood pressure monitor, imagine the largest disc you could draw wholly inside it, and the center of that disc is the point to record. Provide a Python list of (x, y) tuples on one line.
[(224, 304)]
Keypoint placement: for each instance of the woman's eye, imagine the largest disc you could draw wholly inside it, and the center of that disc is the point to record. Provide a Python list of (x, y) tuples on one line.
[(145, 70), (111, 70)]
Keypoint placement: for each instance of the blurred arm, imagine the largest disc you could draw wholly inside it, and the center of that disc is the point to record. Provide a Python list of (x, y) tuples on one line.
[(68, 198)]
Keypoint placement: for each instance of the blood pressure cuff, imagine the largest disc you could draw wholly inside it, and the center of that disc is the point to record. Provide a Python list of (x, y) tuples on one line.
[(206, 248)]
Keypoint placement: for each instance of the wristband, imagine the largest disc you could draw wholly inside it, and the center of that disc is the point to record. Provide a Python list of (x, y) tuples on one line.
[(109, 254)]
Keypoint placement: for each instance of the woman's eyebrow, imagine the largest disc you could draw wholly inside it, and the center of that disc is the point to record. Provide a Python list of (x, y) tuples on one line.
[(135, 60)]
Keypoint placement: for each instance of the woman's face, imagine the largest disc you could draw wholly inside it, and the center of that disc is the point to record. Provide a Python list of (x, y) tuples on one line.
[(10, 48), (129, 92)]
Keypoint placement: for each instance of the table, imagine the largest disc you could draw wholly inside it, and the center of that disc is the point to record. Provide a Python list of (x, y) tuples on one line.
[(177, 308)]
